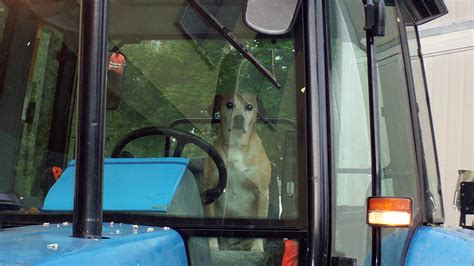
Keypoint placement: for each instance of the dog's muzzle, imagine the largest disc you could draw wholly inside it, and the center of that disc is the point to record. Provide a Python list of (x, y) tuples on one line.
[(238, 122)]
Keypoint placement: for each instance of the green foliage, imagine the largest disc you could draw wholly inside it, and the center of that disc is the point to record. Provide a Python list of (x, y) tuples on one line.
[(40, 92), (164, 81), (172, 79)]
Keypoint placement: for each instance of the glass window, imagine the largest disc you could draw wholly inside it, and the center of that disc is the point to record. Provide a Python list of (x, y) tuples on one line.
[(37, 114), (3, 19), (277, 252), (36, 85), (187, 77), (430, 160), (180, 81), (350, 128)]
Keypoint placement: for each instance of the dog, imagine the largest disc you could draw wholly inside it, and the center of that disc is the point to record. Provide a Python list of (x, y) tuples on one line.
[(248, 167)]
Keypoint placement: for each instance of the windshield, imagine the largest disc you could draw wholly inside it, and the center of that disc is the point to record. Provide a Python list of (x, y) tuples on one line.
[(197, 82), (172, 79)]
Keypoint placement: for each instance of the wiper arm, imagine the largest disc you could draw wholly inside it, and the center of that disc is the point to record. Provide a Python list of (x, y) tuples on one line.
[(230, 37)]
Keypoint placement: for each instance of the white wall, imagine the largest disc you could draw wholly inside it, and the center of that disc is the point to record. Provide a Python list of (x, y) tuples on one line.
[(448, 48)]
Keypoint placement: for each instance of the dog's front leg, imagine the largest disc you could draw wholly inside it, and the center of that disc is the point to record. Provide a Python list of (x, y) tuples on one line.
[(262, 212), (209, 180), (263, 201), (213, 244), (210, 211)]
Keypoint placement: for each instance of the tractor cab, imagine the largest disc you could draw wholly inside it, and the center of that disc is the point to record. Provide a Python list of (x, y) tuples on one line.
[(204, 132)]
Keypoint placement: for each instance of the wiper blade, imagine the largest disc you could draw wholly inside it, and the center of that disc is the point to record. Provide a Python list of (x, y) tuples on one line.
[(230, 37)]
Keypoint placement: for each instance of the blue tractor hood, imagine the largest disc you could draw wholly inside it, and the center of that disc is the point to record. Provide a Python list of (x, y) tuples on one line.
[(122, 244), (441, 246)]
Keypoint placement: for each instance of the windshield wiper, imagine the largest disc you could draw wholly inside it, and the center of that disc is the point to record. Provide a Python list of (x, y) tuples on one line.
[(230, 37)]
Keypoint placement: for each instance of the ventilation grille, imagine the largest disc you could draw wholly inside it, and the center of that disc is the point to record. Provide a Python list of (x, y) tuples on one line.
[(425, 10), (421, 8)]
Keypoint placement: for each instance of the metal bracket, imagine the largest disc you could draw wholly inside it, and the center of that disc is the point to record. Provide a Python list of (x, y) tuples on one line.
[(375, 18), (467, 204)]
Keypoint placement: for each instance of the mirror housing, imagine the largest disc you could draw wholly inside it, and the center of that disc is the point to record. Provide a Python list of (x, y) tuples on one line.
[(115, 77), (271, 17)]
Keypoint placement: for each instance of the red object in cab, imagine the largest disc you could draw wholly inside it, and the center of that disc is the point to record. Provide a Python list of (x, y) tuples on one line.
[(57, 172), (117, 63), (290, 253)]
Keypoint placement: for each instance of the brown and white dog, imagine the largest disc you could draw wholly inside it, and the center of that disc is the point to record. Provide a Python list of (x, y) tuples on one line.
[(248, 167)]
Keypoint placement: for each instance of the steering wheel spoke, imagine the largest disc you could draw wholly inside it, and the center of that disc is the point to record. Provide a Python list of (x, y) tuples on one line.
[(179, 148)]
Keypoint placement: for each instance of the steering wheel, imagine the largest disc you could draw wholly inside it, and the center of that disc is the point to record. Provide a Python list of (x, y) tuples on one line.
[(183, 138)]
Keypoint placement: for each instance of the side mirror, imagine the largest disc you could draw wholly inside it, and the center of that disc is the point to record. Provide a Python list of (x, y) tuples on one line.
[(115, 76), (272, 17)]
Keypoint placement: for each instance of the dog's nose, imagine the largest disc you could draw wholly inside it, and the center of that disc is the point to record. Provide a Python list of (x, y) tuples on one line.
[(239, 121)]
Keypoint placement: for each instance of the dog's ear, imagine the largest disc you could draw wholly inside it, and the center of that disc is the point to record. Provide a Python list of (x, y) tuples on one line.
[(215, 106)]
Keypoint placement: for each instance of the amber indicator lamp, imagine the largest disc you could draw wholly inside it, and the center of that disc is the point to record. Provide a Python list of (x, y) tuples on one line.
[(389, 212)]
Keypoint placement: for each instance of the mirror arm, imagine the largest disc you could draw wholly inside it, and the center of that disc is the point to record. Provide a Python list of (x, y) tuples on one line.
[(230, 37), (116, 47), (375, 26)]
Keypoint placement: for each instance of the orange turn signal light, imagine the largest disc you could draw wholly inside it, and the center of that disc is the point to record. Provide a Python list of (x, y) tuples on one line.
[(389, 212)]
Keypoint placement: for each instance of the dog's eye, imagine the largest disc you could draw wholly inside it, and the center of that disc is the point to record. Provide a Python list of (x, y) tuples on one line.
[(249, 107), (229, 105)]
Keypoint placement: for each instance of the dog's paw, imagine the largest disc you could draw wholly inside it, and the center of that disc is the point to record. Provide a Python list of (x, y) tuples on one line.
[(213, 244), (257, 245)]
